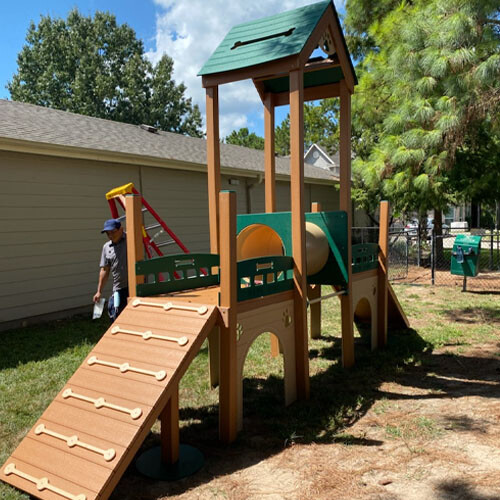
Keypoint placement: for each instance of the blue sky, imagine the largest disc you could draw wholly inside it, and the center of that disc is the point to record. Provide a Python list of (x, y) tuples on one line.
[(187, 30)]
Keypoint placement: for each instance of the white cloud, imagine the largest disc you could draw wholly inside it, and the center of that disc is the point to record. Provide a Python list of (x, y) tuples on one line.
[(190, 30)]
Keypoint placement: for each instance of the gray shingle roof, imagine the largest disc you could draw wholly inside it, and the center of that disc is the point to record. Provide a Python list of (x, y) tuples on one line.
[(36, 124)]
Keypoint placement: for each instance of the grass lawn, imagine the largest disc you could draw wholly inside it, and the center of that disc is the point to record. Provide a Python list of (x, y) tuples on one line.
[(35, 363)]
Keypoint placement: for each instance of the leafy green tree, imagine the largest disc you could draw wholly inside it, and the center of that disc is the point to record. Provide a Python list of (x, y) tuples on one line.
[(95, 67), (435, 76), (320, 127), (360, 16), (243, 137)]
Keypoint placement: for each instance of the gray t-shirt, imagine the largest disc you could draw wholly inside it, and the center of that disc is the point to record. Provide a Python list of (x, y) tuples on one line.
[(115, 256)]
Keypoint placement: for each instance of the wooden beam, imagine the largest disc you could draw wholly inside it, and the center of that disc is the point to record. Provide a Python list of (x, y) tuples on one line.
[(228, 383), (314, 37), (260, 87), (314, 292), (343, 55), (382, 297), (213, 165), (269, 157), (310, 94), (170, 429), (298, 230), (268, 69), (270, 178), (347, 312), (135, 247)]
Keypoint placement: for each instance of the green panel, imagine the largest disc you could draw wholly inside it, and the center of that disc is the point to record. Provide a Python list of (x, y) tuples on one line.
[(333, 224), (312, 79), (264, 40), (465, 255), (364, 257), (278, 221), (264, 276), (172, 273)]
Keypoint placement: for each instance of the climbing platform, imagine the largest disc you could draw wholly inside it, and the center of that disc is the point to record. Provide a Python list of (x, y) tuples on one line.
[(86, 438)]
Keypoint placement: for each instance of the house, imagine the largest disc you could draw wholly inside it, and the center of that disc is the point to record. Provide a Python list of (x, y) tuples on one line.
[(55, 168), (318, 158)]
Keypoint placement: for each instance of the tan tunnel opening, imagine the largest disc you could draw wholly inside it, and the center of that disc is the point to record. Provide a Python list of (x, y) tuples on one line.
[(259, 240)]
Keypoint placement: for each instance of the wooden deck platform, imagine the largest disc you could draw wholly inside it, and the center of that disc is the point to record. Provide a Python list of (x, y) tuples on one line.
[(86, 438)]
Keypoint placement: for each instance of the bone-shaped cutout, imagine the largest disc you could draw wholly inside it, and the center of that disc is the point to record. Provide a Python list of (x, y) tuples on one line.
[(148, 334), (125, 367), (72, 441), (41, 483), (102, 403), (169, 305)]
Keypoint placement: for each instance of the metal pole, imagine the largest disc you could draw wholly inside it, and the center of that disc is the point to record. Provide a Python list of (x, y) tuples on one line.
[(418, 244), (407, 254), (433, 258), (328, 296), (491, 250)]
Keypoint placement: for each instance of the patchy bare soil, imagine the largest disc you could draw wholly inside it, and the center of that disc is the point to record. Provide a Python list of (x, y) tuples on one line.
[(486, 282), (433, 433)]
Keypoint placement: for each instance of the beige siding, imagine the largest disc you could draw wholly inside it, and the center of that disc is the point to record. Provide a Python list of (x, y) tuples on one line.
[(181, 200), (51, 212), (328, 196)]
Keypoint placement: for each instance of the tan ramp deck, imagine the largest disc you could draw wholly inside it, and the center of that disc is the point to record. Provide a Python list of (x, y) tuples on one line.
[(86, 438)]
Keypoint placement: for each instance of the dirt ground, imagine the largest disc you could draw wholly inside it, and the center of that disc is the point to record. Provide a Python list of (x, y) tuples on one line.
[(484, 282), (432, 434)]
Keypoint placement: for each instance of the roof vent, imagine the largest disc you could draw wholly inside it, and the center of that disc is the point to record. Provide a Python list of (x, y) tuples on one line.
[(262, 38), (149, 128)]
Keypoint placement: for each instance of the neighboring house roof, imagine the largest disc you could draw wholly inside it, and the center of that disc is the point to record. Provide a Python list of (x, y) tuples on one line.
[(264, 40), (310, 156), (39, 130)]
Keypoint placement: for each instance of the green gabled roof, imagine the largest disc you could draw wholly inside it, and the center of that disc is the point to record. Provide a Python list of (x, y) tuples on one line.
[(265, 40)]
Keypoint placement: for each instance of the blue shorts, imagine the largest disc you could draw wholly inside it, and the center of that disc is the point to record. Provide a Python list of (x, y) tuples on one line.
[(113, 311)]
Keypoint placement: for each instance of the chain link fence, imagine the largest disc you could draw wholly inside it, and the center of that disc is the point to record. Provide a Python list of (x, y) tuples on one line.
[(426, 259)]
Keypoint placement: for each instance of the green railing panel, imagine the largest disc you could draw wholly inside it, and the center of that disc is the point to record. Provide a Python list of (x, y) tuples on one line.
[(264, 276), (364, 257), (172, 273)]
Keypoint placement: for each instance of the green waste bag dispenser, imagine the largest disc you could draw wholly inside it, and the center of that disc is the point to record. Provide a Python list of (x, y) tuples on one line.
[(465, 255)]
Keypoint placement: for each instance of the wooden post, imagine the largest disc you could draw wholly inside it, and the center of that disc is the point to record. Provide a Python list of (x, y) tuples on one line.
[(170, 429), (135, 247), (382, 297), (228, 384), (213, 165), (270, 175), (213, 172), (298, 230), (270, 178), (314, 292), (345, 204)]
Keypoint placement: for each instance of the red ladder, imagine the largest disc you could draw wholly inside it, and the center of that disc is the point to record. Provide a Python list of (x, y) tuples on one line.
[(150, 245)]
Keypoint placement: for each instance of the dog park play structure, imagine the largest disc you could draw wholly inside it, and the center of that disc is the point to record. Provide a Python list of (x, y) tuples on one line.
[(261, 274)]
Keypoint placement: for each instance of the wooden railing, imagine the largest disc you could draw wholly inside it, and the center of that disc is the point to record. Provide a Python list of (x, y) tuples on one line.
[(364, 257), (264, 276), (177, 272)]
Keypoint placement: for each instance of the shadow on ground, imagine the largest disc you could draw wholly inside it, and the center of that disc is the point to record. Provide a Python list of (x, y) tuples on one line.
[(338, 399), (39, 342)]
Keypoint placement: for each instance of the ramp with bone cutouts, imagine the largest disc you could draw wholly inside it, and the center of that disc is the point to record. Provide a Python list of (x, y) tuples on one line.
[(86, 438)]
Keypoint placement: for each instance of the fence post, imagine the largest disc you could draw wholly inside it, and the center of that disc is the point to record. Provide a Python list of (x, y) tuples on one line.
[(491, 251), (407, 253), (433, 256), (418, 245)]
